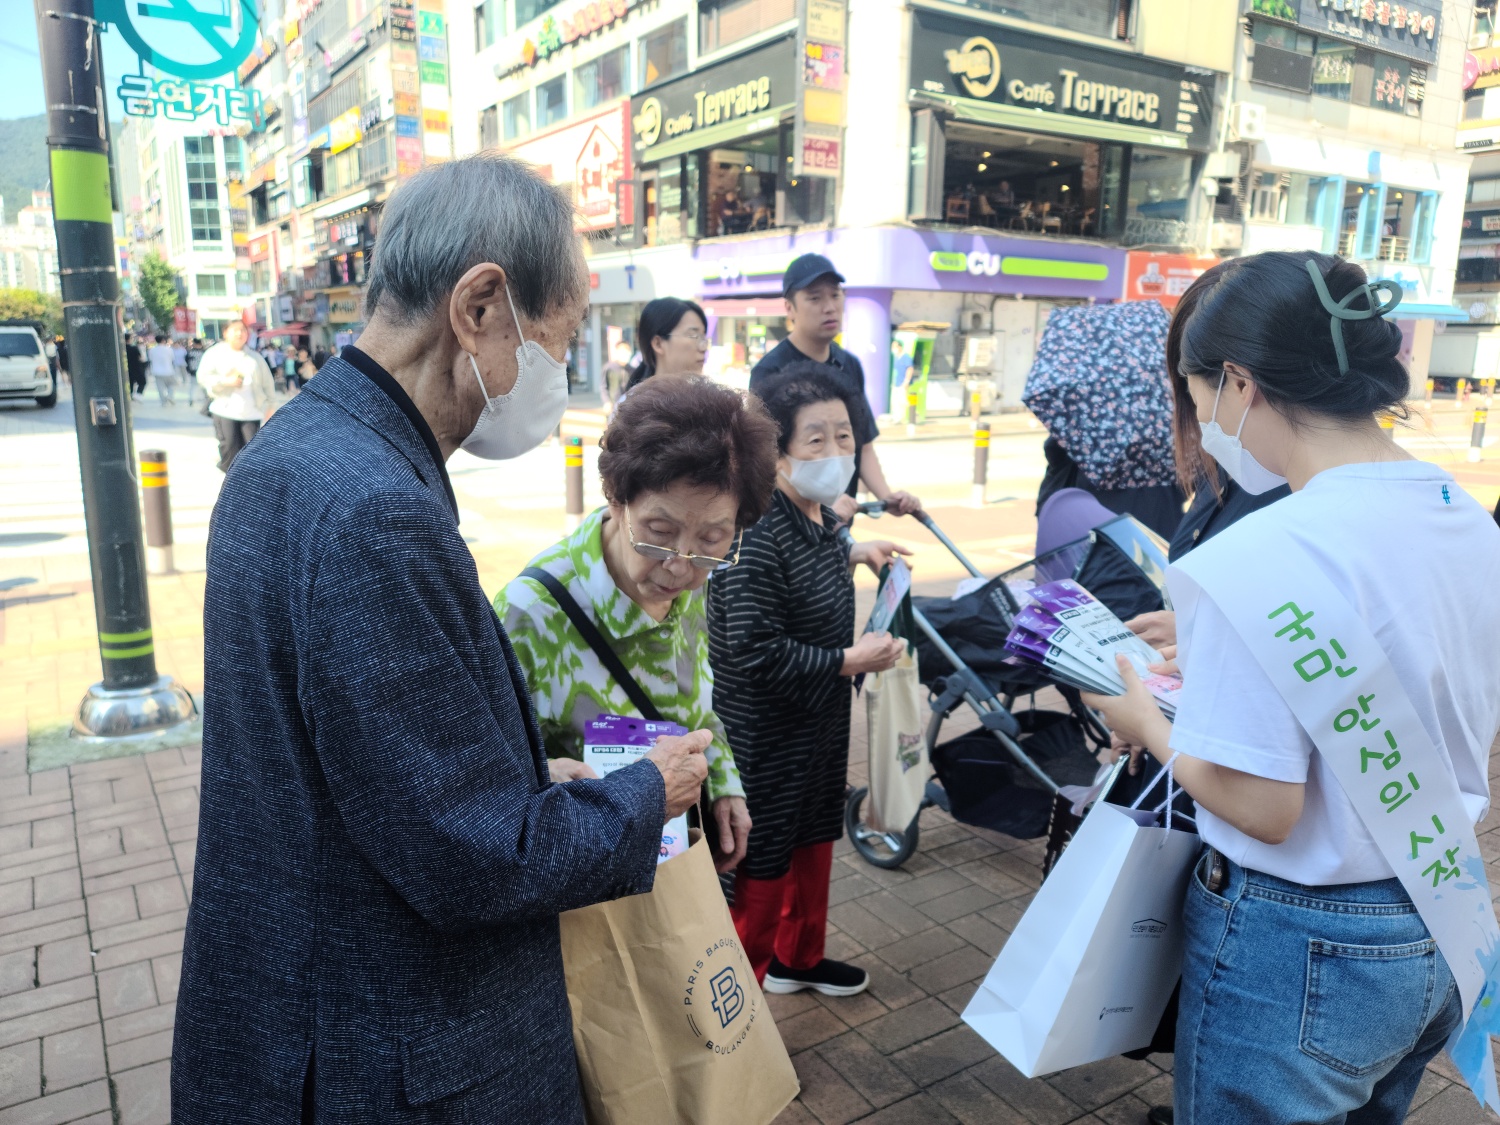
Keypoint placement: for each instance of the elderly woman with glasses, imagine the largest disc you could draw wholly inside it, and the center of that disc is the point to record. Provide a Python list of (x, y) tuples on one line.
[(686, 466)]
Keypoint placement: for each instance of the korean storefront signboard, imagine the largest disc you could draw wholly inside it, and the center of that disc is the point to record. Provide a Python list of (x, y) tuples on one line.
[(1064, 80), (1162, 277), (590, 155), (748, 93), (555, 32), (1412, 29)]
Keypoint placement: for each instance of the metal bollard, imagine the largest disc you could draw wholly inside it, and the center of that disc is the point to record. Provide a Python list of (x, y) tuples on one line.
[(1460, 391), (911, 410), (1476, 435), (975, 401), (981, 463), (156, 498), (1428, 395), (573, 474)]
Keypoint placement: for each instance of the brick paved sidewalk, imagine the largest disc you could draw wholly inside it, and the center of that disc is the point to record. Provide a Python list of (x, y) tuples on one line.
[(96, 866)]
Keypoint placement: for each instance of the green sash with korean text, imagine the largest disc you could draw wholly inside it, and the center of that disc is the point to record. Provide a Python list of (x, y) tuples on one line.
[(1339, 683)]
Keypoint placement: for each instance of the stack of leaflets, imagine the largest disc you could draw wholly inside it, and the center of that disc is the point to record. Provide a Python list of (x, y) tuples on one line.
[(1072, 636)]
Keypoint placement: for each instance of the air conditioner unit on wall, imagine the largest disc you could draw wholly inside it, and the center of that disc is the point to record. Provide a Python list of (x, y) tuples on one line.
[(1247, 121)]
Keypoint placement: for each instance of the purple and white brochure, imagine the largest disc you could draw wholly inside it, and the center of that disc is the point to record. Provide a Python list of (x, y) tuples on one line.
[(612, 742), (1076, 608), (1039, 639)]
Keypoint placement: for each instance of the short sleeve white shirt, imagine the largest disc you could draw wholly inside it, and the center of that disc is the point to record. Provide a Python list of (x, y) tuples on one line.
[(1420, 561)]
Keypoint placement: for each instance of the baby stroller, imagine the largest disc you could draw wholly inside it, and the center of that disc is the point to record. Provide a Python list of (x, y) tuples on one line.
[(1007, 773)]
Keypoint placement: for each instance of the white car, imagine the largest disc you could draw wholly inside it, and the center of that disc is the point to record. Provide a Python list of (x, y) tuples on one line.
[(24, 369)]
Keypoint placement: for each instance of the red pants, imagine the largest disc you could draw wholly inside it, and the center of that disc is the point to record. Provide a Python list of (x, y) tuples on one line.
[(786, 916)]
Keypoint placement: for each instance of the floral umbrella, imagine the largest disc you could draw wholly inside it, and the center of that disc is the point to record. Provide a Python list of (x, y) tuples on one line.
[(1099, 385)]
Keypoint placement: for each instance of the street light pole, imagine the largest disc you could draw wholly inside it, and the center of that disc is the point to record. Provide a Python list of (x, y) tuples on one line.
[(132, 701)]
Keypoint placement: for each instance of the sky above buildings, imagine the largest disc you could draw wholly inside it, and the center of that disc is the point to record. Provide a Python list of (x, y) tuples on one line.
[(21, 64)]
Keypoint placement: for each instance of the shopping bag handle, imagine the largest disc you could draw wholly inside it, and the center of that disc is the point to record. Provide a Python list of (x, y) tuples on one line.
[(1172, 791)]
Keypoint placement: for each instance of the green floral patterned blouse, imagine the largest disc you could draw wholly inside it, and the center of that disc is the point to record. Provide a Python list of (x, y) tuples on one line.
[(569, 685)]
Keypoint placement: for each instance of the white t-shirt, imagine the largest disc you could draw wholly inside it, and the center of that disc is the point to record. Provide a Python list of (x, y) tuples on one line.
[(1419, 559), (220, 366), (160, 356)]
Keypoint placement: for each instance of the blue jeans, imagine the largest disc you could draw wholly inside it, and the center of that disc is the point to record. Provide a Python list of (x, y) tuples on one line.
[(1305, 1005)]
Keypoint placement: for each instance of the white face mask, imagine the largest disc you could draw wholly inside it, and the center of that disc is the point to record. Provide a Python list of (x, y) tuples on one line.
[(1237, 461), (513, 423), (822, 481)]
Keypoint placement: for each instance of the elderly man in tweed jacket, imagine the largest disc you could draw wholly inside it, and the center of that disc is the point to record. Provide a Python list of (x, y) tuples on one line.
[(373, 935)]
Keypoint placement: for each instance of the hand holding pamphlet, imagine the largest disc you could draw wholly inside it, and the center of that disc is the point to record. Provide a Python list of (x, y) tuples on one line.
[(612, 742), (1075, 638), (896, 586)]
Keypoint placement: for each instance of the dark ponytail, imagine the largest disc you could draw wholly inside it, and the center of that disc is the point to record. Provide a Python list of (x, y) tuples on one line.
[(659, 319), (1264, 314)]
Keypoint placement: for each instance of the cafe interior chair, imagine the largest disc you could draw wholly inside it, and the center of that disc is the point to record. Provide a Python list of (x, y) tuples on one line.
[(1022, 218), (957, 210)]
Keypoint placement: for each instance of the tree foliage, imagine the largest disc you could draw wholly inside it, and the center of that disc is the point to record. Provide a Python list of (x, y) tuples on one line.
[(28, 304), (158, 288)]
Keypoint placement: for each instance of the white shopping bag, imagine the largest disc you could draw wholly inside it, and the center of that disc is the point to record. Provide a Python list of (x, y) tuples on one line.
[(1090, 968)]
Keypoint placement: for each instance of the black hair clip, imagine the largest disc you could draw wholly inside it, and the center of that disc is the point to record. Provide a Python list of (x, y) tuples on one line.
[(1340, 310)]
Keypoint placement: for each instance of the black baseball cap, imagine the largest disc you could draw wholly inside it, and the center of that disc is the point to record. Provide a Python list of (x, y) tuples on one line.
[(805, 270)]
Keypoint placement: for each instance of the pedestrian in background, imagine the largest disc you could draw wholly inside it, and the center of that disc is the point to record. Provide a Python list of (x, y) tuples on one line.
[(239, 383), (163, 370), (813, 293), (613, 378), (781, 629), (135, 366), (179, 369), (306, 369), (673, 338), (382, 858)]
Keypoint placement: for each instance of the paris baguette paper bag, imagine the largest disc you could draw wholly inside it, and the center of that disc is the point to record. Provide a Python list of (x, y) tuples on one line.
[(668, 1022), (1090, 967)]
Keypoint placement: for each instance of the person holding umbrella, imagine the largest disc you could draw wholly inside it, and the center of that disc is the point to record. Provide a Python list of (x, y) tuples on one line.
[(1098, 387)]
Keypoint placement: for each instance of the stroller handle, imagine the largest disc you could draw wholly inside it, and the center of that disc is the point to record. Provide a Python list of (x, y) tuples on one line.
[(877, 508)]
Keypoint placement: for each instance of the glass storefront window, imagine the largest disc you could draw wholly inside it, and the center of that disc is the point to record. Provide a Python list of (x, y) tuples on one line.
[(1283, 37), (602, 79), (1358, 200), (1304, 196), (516, 113), (552, 102), (664, 53), (528, 10), (1029, 182), (1156, 202), (728, 22), (729, 191), (1389, 79)]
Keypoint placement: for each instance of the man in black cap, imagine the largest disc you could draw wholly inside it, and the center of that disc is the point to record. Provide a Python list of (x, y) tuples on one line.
[(813, 291)]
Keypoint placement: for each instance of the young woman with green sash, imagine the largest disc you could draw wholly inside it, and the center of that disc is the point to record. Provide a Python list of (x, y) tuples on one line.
[(1340, 653)]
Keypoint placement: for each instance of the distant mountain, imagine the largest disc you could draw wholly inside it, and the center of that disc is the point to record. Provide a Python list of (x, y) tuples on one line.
[(23, 161)]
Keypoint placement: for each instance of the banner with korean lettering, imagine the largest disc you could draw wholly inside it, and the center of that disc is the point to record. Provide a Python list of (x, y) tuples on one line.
[(1336, 678)]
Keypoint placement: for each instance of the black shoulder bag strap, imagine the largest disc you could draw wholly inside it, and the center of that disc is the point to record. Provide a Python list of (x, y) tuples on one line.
[(595, 640), (610, 659)]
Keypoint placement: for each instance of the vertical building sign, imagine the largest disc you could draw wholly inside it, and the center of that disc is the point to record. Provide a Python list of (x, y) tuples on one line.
[(406, 88), (432, 62), (821, 61)]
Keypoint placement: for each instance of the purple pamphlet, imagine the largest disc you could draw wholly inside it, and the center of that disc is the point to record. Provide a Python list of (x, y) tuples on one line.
[(612, 742)]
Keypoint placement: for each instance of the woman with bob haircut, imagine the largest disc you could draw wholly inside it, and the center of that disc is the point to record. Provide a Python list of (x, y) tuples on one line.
[(673, 340), (687, 466), (1339, 703)]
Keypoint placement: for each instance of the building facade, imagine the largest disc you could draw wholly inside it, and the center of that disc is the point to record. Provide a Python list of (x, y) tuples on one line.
[(1346, 119), (967, 167), (28, 246)]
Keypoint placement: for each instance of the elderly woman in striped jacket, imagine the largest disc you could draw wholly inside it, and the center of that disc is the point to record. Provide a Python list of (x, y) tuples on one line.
[(781, 639)]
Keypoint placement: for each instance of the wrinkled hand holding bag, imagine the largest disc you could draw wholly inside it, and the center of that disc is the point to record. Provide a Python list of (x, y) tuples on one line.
[(668, 1022), (899, 763), (1092, 963)]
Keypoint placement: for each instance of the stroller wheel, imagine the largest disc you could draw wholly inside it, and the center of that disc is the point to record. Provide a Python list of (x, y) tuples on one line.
[(882, 849)]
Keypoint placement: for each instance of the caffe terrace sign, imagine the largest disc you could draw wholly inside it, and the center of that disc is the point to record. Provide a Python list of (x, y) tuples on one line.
[(985, 62)]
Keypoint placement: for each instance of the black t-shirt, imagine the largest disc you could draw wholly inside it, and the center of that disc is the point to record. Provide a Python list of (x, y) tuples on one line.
[(849, 370)]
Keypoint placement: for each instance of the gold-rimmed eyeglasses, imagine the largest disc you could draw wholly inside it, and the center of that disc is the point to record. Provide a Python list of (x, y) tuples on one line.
[(667, 554)]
